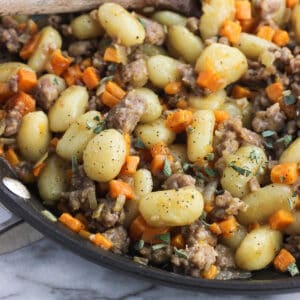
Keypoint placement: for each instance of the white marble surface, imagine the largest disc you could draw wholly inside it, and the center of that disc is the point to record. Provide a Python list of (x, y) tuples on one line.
[(46, 271)]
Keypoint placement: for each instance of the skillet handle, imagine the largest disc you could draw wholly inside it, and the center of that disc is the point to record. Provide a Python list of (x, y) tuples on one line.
[(7, 219)]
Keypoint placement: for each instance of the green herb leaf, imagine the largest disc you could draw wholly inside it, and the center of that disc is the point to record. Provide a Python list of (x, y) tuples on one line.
[(167, 168), (180, 253), (139, 144), (165, 237), (210, 172), (112, 67), (241, 171), (74, 164), (186, 166), (55, 81), (210, 156), (293, 269), (289, 99), (295, 194), (158, 246), (89, 125), (139, 245), (268, 133), (142, 22), (292, 202), (105, 79), (100, 127), (286, 140), (282, 179), (97, 118), (269, 145), (219, 192), (254, 155)]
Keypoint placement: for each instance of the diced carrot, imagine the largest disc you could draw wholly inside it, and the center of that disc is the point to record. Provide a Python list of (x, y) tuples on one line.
[(179, 120), (283, 259), (108, 99), (157, 163), (243, 10), (36, 171), (274, 91), (5, 91), (211, 273), (208, 207), (285, 173), (281, 38), (182, 104), (59, 63), (130, 166), (160, 148), (253, 226), (54, 142), (291, 3), (119, 187), (210, 80), (72, 75), (215, 228), (32, 27), (29, 47), (91, 77), (150, 234), (248, 25), (114, 89), (137, 227), (239, 92), (85, 234), (231, 30), (86, 63), (221, 116), (281, 219), (178, 241), (23, 101), (111, 55), (228, 226), (12, 157), (173, 88), (27, 80), (101, 241), (127, 139), (71, 222), (266, 33)]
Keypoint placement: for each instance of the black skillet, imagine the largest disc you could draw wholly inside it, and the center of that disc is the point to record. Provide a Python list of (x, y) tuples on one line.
[(263, 282)]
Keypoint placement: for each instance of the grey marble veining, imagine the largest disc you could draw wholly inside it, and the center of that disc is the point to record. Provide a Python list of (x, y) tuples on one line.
[(46, 271)]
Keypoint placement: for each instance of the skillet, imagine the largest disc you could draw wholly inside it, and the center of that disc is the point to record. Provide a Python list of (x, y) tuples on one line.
[(263, 282)]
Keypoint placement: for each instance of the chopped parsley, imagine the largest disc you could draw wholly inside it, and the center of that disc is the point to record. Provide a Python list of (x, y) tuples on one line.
[(112, 67), (286, 140), (180, 253), (293, 269), (158, 246), (219, 192), (105, 79), (269, 145), (164, 237), (142, 22), (241, 171), (254, 156), (210, 156), (268, 133), (100, 127), (167, 168), (289, 99), (139, 144), (210, 172), (295, 194), (186, 166), (55, 81), (139, 245), (74, 164)]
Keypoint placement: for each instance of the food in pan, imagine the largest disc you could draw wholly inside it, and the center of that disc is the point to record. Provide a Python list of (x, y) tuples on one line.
[(170, 139)]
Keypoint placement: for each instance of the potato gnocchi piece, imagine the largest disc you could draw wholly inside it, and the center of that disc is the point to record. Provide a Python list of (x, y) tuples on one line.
[(53, 180), (246, 163), (292, 153), (236, 238), (296, 21), (34, 136), (168, 18), (71, 104), (77, 136), (172, 207), (266, 201), (104, 155), (258, 249), (7, 70), (120, 25)]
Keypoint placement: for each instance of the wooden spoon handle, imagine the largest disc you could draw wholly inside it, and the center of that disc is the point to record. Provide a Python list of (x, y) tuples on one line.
[(31, 7)]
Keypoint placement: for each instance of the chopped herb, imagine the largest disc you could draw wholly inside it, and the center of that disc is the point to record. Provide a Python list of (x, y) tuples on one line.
[(210, 156), (142, 22), (100, 127), (186, 166), (202, 219), (105, 79), (199, 175), (139, 245), (139, 144), (282, 179), (268, 133), (190, 129), (180, 253), (241, 171), (293, 269), (97, 118), (49, 215), (210, 172), (295, 194), (254, 156), (165, 237), (55, 81), (269, 145), (112, 67), (89, 125), (219, 192), (74, 164), (158, 246), (286, 140), (292, 202), (289, 99), (167, 168)]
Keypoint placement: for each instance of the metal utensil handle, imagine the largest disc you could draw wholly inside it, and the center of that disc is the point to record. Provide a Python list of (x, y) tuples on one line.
[(7, 219)]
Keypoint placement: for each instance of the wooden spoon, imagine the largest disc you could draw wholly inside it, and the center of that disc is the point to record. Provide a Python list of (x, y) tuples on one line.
[(31, 7)]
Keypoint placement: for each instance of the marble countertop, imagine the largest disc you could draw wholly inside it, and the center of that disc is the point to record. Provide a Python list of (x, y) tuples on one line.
[(46, 271)]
